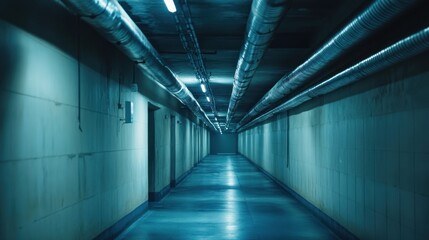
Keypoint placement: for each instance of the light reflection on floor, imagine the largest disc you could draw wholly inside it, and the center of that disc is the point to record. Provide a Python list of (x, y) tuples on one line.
[(227, 198)]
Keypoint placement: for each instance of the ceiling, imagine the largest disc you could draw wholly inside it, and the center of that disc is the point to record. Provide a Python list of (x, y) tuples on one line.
[(220, 27)]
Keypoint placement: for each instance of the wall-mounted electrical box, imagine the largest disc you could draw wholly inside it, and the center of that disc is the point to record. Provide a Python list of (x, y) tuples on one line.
[(129, 112), (134, 87)]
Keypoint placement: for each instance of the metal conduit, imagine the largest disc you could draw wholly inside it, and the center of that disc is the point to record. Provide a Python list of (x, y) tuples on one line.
[(373, 18), (398, 52), (111, 20), (190, 43), (264, 19)]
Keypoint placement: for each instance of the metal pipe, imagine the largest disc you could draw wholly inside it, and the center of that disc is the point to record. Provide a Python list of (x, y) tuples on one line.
[(111, 20), (189, 40), (396, 53), (372, 19), (264, 19)]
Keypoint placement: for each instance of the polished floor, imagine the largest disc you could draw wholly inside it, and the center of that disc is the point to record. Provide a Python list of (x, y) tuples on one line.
[(225, 197)]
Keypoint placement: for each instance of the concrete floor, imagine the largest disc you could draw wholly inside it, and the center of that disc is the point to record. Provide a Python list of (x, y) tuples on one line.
[(225, 197)]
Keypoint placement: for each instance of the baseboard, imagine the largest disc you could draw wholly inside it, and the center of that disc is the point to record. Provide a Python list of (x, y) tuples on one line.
[(336, 227), (173, 184), (157, 196), (182, 177), (114, 230)]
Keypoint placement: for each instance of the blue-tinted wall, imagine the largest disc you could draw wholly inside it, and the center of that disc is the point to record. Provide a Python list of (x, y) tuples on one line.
[(359, 154), (223, 143), (69, 167)]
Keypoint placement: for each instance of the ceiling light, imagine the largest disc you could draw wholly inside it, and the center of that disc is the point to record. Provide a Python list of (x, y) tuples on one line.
[(208, 99), (216, 118), (203, 88), (170, 5)]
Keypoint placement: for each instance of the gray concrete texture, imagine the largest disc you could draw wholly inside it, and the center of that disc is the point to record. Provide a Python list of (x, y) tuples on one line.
[(191, 145), (360, 154), (57, 182)]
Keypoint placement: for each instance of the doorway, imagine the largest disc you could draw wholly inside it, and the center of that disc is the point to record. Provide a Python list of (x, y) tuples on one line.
[(172, 151), (151, 151)]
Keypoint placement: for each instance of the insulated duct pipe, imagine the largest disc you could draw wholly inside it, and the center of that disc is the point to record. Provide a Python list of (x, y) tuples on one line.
[(264, 19), (398, 52), (372, 19), (109, 18)]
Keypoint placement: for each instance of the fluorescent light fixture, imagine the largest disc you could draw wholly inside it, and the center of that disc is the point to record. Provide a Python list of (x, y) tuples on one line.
[(170, 5), (208, 99), (203, 88)]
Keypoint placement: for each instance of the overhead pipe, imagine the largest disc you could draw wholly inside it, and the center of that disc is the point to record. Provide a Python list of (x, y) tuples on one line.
[(396, 53), (372, 19), (111, 20), (263, 21), (190, 43)]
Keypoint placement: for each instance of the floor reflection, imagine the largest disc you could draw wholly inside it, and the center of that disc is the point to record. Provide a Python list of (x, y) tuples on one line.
[(227, 198)]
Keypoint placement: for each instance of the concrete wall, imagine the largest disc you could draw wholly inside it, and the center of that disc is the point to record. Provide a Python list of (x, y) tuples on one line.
[(189, 148), (162, 149), (223, 143), (58, 181), (61, 178), (359, 154)]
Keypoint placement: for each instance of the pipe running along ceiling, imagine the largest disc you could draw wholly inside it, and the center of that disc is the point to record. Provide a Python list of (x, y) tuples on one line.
[(190, 43), (279, 38), (264, 19), (369, 21), (110, 19), (398, 52)]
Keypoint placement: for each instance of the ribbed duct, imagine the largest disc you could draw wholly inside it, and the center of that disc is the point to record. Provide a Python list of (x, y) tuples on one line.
[(399, 52), (372, 19), (263, 21), (108, 17)]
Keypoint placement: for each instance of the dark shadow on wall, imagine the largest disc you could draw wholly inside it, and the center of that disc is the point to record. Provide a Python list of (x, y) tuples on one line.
[(9, 62), (151, 152), (173, 151), (51, 22)]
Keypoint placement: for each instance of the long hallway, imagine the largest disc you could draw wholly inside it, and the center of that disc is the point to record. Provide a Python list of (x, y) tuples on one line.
[(124, 119), (226, 197)]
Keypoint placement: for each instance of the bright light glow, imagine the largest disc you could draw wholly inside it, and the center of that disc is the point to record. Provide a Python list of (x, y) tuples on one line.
[(203, 88), (230, 219), (216, 118), (170, 5), (208, 99), (188, 79), (222, 79)]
